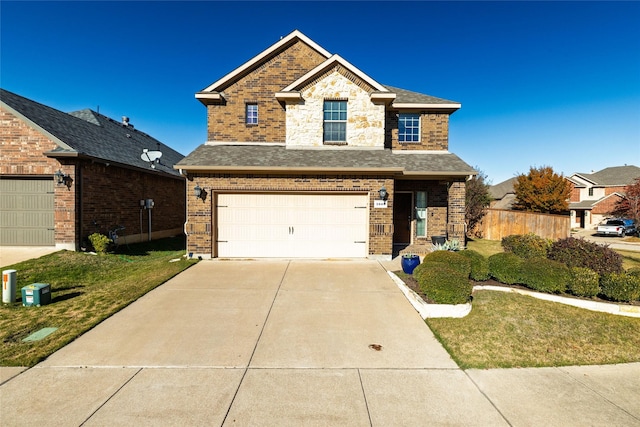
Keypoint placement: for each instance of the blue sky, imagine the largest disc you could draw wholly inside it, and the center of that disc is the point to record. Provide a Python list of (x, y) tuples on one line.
[(541, 83)]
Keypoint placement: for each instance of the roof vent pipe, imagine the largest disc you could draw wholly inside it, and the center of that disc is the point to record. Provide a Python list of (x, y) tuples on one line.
[(125, 121)]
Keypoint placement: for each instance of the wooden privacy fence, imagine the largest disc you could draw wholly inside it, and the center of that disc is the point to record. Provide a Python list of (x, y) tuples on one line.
[(499, 223)]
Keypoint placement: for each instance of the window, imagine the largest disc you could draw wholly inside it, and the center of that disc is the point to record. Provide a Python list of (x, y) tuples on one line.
[(335, 122), (252, 114), (409, 128), (590, 191), (421, 213)]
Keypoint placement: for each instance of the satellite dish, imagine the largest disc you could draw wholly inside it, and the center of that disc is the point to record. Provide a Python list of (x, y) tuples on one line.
[(150, 156)]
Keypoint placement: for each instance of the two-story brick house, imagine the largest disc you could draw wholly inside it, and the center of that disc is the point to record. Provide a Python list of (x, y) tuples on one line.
[(64, 176), (308, 156), (594, 195)]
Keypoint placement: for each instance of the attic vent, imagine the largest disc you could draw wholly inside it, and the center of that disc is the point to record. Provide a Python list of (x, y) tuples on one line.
[(125, 122)]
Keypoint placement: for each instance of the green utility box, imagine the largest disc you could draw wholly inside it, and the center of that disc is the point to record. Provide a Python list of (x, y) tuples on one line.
[(36, 294)]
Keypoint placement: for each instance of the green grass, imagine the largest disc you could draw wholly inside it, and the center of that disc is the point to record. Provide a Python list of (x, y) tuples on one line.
[(85, 290), (507, 330), (485, 247)]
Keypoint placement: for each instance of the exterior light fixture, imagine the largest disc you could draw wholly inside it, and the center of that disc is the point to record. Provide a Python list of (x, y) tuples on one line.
[(383, 193), (59, 176), (197, 191)]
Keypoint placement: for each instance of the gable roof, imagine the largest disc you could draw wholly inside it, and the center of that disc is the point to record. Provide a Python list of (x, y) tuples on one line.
[(278, 158), (401, 98), (590, 204), (612, 176), (88, 134), (500, 190)]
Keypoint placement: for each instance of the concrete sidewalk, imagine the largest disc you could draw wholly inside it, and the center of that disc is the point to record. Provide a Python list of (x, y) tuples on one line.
[(295, 343)]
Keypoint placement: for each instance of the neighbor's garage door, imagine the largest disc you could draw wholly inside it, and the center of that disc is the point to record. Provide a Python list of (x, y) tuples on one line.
[(26, 212), (292, 225)]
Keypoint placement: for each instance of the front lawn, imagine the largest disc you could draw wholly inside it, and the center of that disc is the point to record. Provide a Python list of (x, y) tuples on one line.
[(506, 330), (85, 289)]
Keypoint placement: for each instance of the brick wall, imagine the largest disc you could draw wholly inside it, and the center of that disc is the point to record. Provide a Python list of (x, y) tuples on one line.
[(107, 195), (226, 121), (606, 206), (201, 216), (434, 132)]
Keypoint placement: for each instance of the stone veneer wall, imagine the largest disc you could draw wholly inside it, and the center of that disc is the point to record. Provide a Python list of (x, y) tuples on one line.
[(227, 120), (365, 120), (200, 227)]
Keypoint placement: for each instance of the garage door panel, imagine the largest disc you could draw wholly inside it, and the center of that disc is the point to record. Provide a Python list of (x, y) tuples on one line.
[(27, 212), (292, 225)]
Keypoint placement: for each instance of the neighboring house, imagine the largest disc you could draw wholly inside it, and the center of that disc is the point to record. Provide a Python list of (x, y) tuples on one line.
[(503, 195), (307, 156), (594, 195), (65, 176)]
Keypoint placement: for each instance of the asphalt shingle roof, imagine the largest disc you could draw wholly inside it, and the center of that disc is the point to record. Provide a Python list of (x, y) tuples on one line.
[(404, 96), (226, 157), (90, 134), (617, 175)]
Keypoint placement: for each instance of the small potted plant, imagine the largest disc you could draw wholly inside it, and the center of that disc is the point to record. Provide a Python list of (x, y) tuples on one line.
[(409, 262)]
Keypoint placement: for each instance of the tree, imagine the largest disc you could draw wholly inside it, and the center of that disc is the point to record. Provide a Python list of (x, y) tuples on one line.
[(542, 190), (629, 206), (476, 199)]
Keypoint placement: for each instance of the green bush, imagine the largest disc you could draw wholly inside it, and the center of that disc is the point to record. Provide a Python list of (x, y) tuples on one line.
[(445, 285), (452, 260), (581, 253), (526, 245), (505, 267), (479, 265), (584, 282), (100, 243), (544, 275), (620, 287), (635, 271)]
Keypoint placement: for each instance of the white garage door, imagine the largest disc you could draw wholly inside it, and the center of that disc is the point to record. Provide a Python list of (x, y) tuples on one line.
[(292, 225), (26, 212)]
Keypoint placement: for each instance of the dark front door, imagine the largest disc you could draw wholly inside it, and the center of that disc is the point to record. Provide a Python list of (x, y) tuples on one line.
[(402, 218)]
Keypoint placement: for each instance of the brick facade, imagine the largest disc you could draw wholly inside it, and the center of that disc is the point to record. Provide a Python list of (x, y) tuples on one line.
[(434, 132), (226, 120), (201, 222), (106, 195)]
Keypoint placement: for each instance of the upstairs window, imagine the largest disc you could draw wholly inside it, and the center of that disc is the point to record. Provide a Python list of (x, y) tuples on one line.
[(335, 122), (590, 191), (252, 114), (408, 127)]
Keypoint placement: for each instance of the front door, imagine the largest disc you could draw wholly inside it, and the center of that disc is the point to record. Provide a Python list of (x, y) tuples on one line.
[(402, 218)]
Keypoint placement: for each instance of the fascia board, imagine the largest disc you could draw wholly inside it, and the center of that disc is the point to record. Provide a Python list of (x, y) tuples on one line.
[(305, 169), (401, 105), (441, 173), (37, 127), (216, 96), (265, 53), (326, 64)]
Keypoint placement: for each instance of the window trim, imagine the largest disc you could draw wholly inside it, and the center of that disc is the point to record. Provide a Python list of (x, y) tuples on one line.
[(418, 135), (249, 117), (326, 121)]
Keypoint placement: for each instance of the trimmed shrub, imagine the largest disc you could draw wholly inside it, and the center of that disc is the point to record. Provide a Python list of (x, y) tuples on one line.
[(445, 285), (505, 267), (452, 260), (584, 282), (526, 245), (100, 242), (479, 265), (581, 253), (620, 287), (544, 275)]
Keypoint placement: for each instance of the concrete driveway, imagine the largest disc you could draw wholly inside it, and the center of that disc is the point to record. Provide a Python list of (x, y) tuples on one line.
[(300, 343)]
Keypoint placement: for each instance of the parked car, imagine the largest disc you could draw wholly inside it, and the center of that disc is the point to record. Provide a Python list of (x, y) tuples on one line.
[(617, 227)]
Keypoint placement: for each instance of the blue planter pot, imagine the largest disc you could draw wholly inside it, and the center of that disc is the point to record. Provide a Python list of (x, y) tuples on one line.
[(410, 263)]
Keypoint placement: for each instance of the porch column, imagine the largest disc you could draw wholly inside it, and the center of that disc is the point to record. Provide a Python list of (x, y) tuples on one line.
[(456, 208)]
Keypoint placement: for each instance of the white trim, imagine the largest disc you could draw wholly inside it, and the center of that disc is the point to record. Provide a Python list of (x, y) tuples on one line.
[(265, 53), (288, 96), (209, 95), (426, 106), (258, 144), (326, 64), (419, 151)]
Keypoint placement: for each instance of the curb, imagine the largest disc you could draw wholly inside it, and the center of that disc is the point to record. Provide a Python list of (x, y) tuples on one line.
[(461, 310)]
